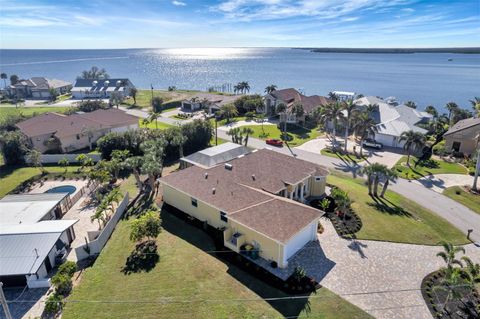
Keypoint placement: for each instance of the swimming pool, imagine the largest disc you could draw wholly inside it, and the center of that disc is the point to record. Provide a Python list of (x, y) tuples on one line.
[(70, 189)]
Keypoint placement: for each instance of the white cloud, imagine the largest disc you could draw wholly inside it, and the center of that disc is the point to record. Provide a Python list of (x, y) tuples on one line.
[(248, 10), (179, 3)]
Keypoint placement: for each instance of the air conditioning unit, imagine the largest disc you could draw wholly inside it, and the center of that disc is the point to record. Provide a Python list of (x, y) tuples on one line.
[(228, 166)]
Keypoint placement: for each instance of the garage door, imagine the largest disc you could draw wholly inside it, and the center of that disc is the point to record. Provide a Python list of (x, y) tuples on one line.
[(300, 240), (14, 281)]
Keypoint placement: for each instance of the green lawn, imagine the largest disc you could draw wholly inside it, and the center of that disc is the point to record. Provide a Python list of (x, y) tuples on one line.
[(185, 272), (29, 111), (12, 176), (296, 136), (395, 218), (350, 158), (463, 197), (441, 167), (60, 98), (154, 125)]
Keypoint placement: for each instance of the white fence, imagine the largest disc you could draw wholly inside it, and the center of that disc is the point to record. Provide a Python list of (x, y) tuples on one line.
[(94, 247), (72, 158)]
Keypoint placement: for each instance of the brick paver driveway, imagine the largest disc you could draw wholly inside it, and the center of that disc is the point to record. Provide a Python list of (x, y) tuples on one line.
[(381, 278)]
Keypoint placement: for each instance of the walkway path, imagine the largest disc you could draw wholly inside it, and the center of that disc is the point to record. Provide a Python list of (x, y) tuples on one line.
[(370, 274)]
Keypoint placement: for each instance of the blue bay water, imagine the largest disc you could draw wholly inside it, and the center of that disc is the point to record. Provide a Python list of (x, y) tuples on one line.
[(426, 78)]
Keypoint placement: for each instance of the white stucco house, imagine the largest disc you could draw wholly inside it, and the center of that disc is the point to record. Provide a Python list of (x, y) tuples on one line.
[(101, 88), (392, 119)]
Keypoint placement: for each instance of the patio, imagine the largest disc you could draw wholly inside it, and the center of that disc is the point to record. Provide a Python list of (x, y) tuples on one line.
[(311, 258)]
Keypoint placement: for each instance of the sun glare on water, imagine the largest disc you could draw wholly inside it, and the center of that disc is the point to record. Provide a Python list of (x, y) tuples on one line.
[(208, 53)]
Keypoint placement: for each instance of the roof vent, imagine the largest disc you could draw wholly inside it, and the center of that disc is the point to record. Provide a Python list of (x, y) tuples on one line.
[(94, 83), (253, 176), (206, 175), (213, 190), (106, 83), (228, 166)]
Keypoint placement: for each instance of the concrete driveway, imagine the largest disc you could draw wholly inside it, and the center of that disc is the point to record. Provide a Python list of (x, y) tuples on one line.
[(440, 182), (387, 157), (381, 278)]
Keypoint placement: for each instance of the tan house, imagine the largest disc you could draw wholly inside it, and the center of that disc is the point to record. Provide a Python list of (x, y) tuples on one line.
[(76, 131), (256, 199), (290, 97), (207, 101), (463, 136)]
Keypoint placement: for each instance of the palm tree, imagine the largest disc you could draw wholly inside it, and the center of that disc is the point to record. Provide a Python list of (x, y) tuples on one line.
[(94, 74), (228, 111), (452, 107), (179, 140), (282, 110), (135, 164), (431, 110), (4, 77), (236, 134), (449, 254), (373, 171), (298, 110), (471, 272), (350, 108), (64, 162), (246, 87), (364, 126), (154, 152), (342, 201), (34, 158), (133, 94), (247, 131), (475, 105), (332, 112), (477, 166), (413, 140), (269, 89), (332, 96), (153, 116), (389, 175), (236, 88)]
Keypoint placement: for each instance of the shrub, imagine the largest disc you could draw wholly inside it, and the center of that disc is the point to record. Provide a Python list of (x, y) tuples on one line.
[(62, 283), (91, 105), (53, 304), (250, 115), (68, 268), (439, 149), (14, 147)]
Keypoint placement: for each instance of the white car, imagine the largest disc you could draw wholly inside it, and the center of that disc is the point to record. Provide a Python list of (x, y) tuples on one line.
[(372, 143)]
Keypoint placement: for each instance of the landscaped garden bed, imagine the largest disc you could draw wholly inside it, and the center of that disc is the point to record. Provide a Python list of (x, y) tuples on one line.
[(430, 167), (442, 305)]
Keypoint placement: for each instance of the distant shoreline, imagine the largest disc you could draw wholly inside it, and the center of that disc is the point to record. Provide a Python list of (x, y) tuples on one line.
[(470, 50)]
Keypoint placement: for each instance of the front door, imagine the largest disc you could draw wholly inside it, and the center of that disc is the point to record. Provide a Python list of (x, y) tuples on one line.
[(456, 146)]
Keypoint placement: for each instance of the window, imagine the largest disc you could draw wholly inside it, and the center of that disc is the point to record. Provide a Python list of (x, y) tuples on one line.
[(194, 202), (318, 178), (223, 216), (78, 136)]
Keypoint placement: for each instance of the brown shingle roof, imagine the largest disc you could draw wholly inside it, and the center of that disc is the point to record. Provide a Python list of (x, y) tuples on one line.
[(63, 125), (463, 124), (228, 197), (292, 96), (278, 218), (246, 191)]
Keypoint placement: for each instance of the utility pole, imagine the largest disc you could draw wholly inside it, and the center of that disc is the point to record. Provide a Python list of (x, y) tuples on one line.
[(3, 301), (216, 131)]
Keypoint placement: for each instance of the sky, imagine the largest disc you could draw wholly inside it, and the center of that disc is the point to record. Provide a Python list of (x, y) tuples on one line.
[(86, 24)]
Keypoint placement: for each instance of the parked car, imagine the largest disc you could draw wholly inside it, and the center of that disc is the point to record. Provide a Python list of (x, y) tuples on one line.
[(372, 143), (274, 142)]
